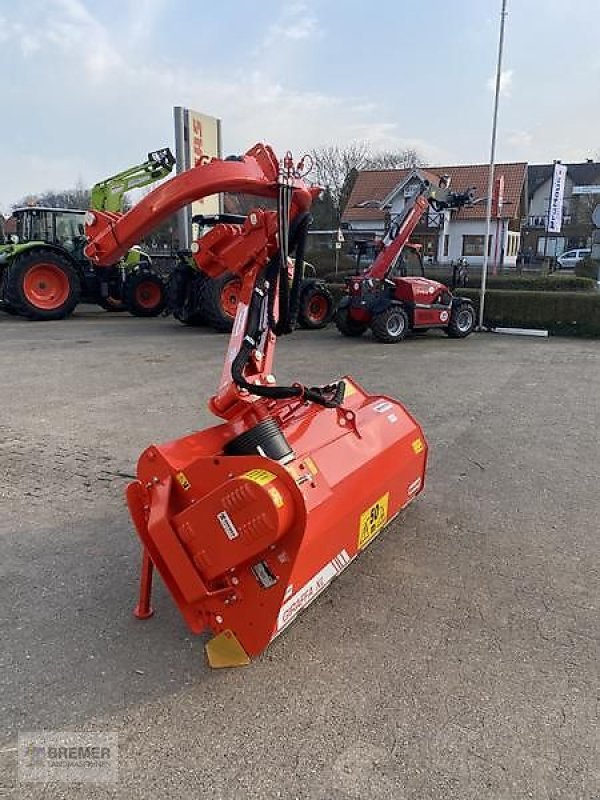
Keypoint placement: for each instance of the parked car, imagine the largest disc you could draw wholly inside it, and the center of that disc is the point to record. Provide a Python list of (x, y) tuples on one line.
[(571, 258)]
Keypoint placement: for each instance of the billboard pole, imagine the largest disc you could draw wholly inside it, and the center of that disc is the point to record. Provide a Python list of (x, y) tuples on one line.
[(488, 213), (182, 164)]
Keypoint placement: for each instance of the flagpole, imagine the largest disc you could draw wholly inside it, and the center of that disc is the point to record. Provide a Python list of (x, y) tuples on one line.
[(488, 213)]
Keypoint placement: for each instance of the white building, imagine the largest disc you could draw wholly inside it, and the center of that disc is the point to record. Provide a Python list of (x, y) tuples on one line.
[(451, 235)]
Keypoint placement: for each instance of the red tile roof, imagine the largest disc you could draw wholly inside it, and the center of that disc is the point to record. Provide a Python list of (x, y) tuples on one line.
[(376, 184)]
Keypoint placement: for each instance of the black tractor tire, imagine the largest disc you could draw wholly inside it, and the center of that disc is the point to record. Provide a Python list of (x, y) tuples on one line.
[(184, 295), (462, 321), (348, 326), (43, 285), (145, 294), (390, 326), (316, 306), (216, 307)]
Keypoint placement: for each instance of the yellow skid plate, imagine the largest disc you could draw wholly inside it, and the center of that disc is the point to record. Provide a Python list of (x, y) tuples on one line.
[(224, 650)]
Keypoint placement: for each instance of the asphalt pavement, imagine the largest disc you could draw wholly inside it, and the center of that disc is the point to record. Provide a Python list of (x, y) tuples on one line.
[(458, 657)]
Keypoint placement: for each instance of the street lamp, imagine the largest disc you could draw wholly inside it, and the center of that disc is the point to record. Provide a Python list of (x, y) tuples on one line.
[(488, 220)]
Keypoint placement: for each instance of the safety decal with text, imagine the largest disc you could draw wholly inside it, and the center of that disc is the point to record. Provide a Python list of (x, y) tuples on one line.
[(260, 476), (276, 497), (182, 480), (372, 520), (304, 596), (418, 445)]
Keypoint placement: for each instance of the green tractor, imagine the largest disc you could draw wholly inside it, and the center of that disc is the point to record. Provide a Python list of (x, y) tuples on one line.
[(44, 273)]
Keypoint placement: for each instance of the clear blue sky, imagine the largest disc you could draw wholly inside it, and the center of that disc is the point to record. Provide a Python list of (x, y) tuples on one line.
[(88, 87)]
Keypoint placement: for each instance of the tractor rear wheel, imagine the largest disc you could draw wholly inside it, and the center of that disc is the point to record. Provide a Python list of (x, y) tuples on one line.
[(220, 298), (391, 325), (462, 321), (347, 326), (42, 285), (316, 306), (145, 295)]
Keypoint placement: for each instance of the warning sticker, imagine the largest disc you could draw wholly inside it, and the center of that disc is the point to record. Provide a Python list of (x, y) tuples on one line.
[(227, 524), (349, 389), (372, 520), (260, 476), (276, 497), (418, 445), (181, 478)]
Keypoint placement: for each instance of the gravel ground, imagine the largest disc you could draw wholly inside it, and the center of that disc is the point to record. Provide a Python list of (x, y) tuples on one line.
[(457, 658)]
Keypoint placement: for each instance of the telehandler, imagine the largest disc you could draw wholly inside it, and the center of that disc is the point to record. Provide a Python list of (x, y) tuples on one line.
[(393, 304)]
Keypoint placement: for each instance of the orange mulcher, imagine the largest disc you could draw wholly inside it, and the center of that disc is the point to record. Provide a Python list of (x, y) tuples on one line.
[(249, 520)]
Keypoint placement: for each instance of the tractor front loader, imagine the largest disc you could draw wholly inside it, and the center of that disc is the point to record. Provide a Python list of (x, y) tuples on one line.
[(195, 298), (248, 521), (44, 273)]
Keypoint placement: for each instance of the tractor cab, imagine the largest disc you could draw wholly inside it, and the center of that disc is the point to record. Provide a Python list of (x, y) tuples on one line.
[(63, 227)]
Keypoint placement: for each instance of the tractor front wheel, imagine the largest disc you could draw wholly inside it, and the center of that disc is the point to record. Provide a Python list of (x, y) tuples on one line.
[(348, 326), (42, 285), (462, 321), (316, 306), (145, 295), (391, 325)]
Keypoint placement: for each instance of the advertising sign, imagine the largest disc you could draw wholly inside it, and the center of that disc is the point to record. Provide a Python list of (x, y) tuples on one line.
[(557, 193), (197, 141)]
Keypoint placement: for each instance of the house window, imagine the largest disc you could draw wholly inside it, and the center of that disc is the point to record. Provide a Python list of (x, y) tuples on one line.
[(446, 244), (473, 245)]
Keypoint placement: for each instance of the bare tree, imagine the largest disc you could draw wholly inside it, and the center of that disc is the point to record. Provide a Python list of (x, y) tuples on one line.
[(396, 159), (78, 197), (335, 167)]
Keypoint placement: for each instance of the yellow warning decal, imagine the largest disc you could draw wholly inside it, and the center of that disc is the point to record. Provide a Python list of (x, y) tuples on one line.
[(418, 445), (311, 466), (181, 478), (372, 520), (349, 388), (276, 497), (260, 476)]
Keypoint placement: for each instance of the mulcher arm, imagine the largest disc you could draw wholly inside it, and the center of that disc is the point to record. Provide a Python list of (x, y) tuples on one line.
[(107, 195), (249, 520)]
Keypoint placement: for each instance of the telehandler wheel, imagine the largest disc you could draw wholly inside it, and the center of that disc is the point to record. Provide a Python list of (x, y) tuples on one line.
[(347, 326), (145, 295), (41, 284), (391, 325), (316, 306), (462, 321), (220, 297)]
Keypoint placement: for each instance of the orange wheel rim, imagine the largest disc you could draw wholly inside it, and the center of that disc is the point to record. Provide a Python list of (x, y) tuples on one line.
[(317, 308), (46, 286), (147, 294), (230, 297)]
